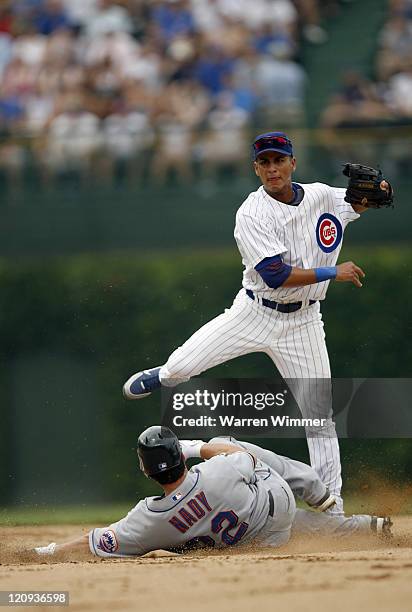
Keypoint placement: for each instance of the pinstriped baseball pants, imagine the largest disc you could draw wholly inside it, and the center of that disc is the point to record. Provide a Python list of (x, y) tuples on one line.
[(296, 344)]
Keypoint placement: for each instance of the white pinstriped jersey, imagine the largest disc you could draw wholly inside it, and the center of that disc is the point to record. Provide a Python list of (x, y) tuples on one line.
[(308, 236)]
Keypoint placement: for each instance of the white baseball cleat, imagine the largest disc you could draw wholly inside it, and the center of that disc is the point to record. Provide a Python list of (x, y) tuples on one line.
[(142, 384), (381, 525), (46, 550)]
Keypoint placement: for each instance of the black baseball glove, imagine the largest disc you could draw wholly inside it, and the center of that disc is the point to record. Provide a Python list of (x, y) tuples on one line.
[(364, 187)]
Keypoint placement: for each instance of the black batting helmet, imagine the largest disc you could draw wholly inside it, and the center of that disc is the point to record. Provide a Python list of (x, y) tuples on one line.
[(160, 454)]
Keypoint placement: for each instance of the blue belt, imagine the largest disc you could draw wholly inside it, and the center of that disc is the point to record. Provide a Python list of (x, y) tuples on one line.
[(289, 307)]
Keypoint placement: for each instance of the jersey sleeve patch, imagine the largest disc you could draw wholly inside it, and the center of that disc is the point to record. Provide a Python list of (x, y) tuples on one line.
[(108, 542), (103, 542)]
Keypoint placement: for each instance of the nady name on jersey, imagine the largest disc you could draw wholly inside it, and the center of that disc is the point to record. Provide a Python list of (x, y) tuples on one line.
[(195, 509)]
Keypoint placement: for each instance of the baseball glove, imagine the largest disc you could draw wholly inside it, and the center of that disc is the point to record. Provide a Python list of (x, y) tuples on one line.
[(364, 187)]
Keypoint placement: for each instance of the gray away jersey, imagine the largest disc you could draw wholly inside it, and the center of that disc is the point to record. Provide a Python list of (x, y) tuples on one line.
[(308, 236), (222, 501)]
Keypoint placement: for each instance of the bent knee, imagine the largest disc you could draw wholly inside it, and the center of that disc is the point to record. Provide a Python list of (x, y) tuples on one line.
[(322, 428)]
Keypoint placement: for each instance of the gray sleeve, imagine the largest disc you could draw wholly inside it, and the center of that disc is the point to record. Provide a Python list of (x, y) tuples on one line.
[(256, 239), (244, 464), (122, 539)]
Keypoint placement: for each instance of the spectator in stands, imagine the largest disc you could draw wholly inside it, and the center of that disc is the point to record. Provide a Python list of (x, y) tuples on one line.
[(110, 17), (206, 17), (401, 8), (188, 101), (117, 46), (396, 46), (6, 51), (81, 13), (51, 16), (30, 45), (169, 59), (212, 68), (18, 79), (311, 17), (274, 40), (280, 86), (243, 94), (74, 138), (225, 142), (25, 10), (12, 153), (186, 105), (7, 26), (358, 102), (11, 112), (6, 18), (400, 92), (279, 13), (143, 65), (173, 18), (173, 151), (39, 107), (127, 137)]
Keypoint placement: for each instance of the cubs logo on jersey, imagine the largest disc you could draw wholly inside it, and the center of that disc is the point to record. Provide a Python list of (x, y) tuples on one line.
[(328, 232)]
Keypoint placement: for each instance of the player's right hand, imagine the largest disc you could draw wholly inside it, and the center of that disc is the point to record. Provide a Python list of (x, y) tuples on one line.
[(349, 272), (191, 448)]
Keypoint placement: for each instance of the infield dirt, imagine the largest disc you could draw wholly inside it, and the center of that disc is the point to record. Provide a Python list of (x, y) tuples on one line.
[(307, 575)]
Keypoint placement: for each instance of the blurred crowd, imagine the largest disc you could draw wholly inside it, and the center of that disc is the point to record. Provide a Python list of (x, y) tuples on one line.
[(102, 81), (388, 97)]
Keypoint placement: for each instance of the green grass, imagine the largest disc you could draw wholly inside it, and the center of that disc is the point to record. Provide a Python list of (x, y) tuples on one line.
[(109, 513), (59, 515)]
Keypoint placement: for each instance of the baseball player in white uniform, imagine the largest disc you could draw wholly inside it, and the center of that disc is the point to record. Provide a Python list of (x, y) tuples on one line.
[(289, 236), (240, 494)]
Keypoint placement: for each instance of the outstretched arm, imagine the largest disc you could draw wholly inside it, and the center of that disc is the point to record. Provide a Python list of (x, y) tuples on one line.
[(76, 548), (208, 451), (199, 449), (276, 273), (347, 272)]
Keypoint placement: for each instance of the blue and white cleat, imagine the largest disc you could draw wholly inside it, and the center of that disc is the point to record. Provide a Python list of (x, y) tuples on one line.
[(142, 384)]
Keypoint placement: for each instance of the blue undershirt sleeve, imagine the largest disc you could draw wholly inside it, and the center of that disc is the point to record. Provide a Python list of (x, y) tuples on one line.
[(274, 271)]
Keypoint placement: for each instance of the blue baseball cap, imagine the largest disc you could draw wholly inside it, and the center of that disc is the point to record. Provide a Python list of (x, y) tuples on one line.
[(271, 141)]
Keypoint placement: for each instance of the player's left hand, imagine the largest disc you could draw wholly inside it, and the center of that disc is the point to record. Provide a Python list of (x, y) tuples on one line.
[(367, 188)]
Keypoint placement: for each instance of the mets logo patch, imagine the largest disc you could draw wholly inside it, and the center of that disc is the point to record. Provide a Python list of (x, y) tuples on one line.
[(108, 542), (328, 232)]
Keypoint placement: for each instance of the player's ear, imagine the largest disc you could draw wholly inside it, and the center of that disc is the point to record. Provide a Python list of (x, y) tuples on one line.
[(256, 168), (293, 163)]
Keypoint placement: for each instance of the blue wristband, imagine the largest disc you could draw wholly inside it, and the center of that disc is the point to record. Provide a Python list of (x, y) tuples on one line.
[(323, 274)]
